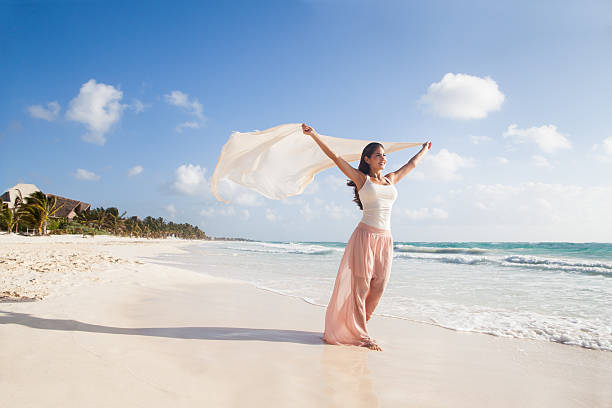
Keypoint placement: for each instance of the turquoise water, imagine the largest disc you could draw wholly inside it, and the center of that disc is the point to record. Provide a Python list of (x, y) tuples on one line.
[(559, 292)]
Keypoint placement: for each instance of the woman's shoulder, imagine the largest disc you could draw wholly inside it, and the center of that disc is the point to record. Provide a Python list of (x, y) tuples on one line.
[(364, 177), (360, 174)]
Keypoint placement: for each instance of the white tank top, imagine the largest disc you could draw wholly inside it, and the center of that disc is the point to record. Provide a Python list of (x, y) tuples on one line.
[(377, 200)]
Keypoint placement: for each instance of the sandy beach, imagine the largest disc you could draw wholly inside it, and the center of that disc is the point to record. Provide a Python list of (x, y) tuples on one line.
[(103, 322)]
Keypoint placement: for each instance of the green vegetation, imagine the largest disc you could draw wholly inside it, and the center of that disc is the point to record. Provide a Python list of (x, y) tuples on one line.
[(37, 212), (108, 221), (9, 217)]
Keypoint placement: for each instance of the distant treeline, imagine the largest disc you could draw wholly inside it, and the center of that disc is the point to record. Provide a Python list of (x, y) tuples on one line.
[(36, 212)]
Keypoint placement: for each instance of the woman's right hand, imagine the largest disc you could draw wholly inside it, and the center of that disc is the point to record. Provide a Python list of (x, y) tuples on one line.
[(308, 130)]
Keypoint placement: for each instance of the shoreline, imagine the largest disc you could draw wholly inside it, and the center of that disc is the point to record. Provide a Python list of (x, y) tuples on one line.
[(192, 251), (149, 334)]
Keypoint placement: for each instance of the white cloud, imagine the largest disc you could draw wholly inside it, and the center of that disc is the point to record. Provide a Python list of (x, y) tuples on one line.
[(134, 171), (82, 174), (49, 113), (207, 212), (445, 165), (178, 98), (480, 139), (97, 107), (226, 211), (241, 195), (544, 204), (425, 213), (311, 188), (190, 125), (139, 107), (603, 151), (336, 182), (248, 199), (482, 206), (502, 160), (462, 96), (271, 215), (338, 212), (546, 137), (605, 147), (416, 175), (537, 211), (170, 208), (295, 200), (306, 212), (540, 161), (189, 179)]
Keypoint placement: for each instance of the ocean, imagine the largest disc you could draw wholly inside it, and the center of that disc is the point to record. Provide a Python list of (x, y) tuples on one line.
[(559, 292)]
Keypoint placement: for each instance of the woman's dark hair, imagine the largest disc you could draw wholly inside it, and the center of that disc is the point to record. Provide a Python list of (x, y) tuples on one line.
[(364, 168)]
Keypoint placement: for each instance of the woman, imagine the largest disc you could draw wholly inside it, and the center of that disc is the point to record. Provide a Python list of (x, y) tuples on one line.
[(366, 263)]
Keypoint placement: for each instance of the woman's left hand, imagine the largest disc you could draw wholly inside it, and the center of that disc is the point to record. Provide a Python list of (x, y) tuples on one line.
[(308, 130)]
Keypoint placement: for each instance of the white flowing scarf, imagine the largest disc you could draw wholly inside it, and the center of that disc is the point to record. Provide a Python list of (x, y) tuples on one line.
[(281, 161)]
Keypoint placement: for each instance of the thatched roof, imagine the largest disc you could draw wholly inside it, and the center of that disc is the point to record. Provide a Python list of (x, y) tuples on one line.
[(68, 205)]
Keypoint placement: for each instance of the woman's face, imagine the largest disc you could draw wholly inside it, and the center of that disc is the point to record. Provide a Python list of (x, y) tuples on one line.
[(377, 160)]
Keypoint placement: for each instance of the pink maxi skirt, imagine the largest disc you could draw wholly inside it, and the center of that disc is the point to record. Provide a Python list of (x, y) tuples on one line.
[(361, 280)]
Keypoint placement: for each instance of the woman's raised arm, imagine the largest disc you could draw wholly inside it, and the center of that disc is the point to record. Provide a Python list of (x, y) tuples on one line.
[(397, 175), (352, 173)]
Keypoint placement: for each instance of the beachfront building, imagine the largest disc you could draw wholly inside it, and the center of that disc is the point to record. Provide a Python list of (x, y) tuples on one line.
[(18, 191), (70, 208)]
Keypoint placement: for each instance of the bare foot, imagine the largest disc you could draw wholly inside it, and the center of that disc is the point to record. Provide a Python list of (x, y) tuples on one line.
[(371, 344)]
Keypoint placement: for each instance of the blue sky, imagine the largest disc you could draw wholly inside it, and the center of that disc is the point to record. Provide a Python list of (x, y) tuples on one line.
[(128, 104)]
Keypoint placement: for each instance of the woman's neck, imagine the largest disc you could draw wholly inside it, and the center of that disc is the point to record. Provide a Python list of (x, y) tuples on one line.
[(377, 175)]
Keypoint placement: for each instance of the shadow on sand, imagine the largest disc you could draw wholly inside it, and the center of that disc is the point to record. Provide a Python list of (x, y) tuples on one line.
[(202, 333)]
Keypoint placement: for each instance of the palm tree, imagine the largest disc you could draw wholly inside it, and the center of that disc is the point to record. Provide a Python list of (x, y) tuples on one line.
[(38, 209), (115, 222), (9, 216), (84, 218), (136, 229), (111, 221)]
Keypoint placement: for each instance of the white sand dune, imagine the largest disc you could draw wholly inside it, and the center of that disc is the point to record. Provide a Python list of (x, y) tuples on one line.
[(115, 329)]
